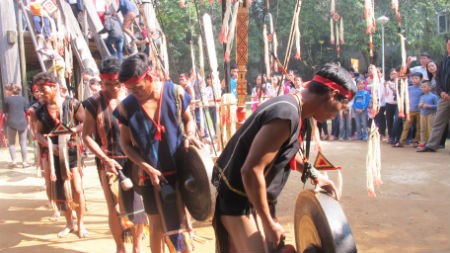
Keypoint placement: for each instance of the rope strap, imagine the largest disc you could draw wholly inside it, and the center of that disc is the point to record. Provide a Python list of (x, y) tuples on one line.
[(309, 172)]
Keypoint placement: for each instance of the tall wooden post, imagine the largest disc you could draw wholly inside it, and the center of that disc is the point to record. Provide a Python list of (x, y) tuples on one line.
[(9, 60), (242, 58), (23, 65)]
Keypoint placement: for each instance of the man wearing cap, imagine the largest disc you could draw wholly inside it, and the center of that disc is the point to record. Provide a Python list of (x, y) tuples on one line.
[(155, 122), (101, 135), (254, 166), (59, 120)]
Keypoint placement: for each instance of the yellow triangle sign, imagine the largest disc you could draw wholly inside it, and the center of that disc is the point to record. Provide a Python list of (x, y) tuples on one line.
[(322, 163)]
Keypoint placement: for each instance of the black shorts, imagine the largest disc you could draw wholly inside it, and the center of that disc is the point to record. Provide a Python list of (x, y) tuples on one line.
[(232, 204), (148, 197), (73, 157)]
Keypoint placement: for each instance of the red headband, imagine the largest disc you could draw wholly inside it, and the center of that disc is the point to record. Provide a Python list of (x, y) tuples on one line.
[(136, 79), (111, 77), (333, 85)]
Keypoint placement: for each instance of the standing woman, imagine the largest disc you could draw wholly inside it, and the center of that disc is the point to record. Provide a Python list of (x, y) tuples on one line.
[(431, 73), (15, 108)]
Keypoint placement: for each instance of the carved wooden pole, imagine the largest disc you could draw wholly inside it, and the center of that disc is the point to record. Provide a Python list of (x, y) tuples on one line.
[(242, 58)]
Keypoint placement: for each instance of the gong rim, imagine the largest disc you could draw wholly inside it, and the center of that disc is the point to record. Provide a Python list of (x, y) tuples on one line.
[(320, 225)]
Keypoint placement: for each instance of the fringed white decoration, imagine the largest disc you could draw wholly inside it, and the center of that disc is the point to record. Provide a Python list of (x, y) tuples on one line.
[(266, 51), (201, 59), (191, 47), (165, 54), (403, 49), (406, 95), (373, 161), (395, 7), (341, 32), (209, 39), (228, 117), (369, 14), (298, 52), (231, 32), (226, 18), (332, 40)]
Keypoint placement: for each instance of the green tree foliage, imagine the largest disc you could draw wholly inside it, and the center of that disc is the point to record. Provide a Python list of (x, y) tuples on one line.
[(419, 18)]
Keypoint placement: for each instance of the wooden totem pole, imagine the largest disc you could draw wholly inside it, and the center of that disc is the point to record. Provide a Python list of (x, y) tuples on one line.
[(242, 59)]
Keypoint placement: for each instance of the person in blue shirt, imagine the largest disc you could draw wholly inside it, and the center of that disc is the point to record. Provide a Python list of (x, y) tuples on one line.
[(233, 79), (428, 105), (414, 92), (129, 13), (360, 105)]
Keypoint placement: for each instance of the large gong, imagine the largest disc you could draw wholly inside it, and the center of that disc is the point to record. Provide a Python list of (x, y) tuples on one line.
[(195, 170), (320, 225)]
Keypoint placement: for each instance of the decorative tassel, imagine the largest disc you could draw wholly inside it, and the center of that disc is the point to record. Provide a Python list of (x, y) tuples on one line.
[(338, 46), (341, 33), (395, 7), (201, 59), (370, 45), (373, 161), (331, 32), (298, 53), (160, 129), (231, 32), (266, 51), (403, 69), (275, 49), (226, 18), (209, 39), (165, 54)]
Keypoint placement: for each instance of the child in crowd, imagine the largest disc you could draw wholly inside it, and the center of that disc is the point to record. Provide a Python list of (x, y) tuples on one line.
[(414, 92), (428, 105), (360, 105)]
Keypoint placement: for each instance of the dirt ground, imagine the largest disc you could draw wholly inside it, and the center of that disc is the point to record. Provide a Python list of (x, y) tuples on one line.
[(410, 214)]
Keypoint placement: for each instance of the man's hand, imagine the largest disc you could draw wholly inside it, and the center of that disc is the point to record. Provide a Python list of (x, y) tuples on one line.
[(324, 183), (192, 141), (153, 173), (274, 234), (112, 166)]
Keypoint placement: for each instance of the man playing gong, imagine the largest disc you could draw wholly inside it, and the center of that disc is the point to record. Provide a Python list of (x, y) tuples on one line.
[(59, 120), (101, 135), (152, 119), (254, 166)]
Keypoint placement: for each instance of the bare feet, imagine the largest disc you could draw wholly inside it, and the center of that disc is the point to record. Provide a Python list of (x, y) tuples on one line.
[(55, 216), (82, 232), (65, 232)]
